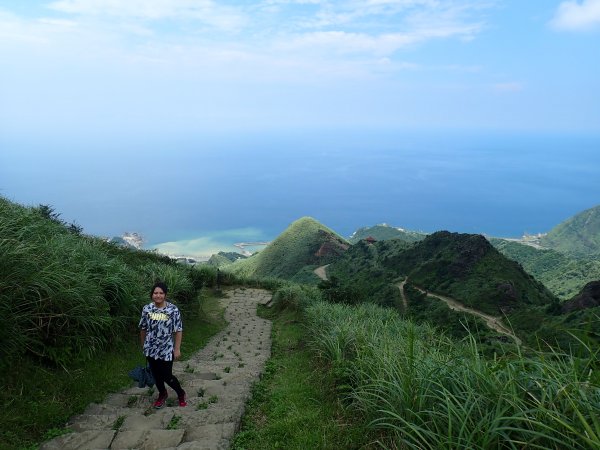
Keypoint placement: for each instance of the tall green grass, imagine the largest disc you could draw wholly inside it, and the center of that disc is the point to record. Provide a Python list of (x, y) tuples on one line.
[(70, 305), (425, 391), (294, 406), (64, 296), (38, 400)]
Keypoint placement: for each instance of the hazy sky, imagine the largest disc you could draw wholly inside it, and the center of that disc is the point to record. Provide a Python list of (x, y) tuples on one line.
[(134, 115), (109, 66)]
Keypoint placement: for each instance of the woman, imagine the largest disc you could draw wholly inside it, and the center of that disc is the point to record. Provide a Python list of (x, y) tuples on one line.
[(161, 331)]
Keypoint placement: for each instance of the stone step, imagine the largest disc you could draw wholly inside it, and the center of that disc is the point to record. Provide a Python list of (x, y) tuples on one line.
[(89, 440), (148, 439)]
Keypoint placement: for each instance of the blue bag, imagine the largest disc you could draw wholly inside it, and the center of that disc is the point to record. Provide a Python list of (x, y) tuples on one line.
[(143, 375)]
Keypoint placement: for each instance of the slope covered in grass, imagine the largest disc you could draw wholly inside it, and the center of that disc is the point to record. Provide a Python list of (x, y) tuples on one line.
[(420, 390), (462, 266), (67, 296), (306, 242), (404, 385), (578, 235), (70, 305), (385, 232), (562, 274), (469, 268)]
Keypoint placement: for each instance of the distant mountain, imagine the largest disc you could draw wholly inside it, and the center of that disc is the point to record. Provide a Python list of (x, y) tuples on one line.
[(564, 275), (306, 242), (577, 236), (469, 268), (463, 266), (385, 232)]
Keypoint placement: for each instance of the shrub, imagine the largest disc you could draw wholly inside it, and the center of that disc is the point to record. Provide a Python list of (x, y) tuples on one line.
[(294, 297)]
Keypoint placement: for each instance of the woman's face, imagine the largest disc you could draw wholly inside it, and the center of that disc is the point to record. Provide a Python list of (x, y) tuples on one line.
[(158, 296)]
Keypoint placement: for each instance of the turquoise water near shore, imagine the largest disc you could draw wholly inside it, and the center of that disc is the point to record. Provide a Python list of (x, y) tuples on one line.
[(218, 190)]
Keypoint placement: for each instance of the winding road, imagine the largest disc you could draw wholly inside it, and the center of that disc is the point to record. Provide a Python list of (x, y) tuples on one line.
[(492, 322)]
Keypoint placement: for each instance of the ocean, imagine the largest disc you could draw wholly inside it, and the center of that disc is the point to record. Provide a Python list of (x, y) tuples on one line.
[(203, 193)]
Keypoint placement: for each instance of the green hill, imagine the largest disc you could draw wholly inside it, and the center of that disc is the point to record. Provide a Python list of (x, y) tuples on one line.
[(463, 266), (385, 232), (468, 268), (577, 236), (306, 242), (359, 275), (562, 274)]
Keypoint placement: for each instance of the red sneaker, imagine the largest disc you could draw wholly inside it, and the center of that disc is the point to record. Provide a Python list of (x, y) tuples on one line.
[(160, 401), (182, 401)]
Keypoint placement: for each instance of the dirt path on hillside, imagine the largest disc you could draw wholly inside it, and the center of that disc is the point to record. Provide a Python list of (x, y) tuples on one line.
[(321, 272), (402, 294), (217, 381), (492, 322)]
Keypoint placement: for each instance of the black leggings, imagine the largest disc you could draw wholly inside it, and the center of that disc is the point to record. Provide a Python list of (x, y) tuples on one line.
[(163, 373)]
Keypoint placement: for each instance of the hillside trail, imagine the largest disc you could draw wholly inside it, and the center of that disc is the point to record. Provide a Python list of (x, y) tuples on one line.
[(403, 294), (321, 272), (217, 380), (492, 322)]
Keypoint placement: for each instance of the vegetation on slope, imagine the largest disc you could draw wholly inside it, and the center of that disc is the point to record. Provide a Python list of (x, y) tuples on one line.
[(462, 266), (68, 302), (409, 386), (222, 259), (219, 261), (65, 296), (295, 404), (359, 274), (305, 242), (563, 275), (425, 391), (385, 232), (578, 235), (468, 268)]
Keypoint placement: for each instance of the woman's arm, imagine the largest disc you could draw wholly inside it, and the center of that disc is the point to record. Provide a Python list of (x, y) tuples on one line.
[(177, 349), (142, 337)]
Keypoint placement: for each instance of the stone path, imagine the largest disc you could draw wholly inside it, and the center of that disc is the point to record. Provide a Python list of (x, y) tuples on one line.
[(217, 380)]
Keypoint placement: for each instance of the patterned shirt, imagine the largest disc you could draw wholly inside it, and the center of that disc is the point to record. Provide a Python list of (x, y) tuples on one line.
[(160, 325)]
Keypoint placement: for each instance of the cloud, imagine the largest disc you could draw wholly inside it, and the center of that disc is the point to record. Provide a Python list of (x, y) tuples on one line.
[(343, 43), (304, 40), (575, 16), (199, 58), (208, 12), (508, 87)]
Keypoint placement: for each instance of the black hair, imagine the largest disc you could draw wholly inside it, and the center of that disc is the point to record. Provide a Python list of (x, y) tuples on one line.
[(161, 285)]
